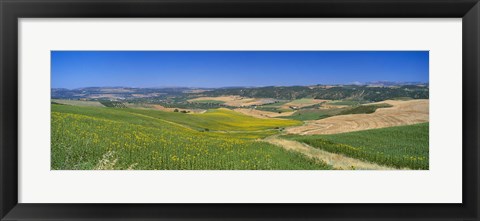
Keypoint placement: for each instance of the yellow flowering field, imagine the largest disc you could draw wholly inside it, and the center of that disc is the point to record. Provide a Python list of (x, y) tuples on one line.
[(91, 138)]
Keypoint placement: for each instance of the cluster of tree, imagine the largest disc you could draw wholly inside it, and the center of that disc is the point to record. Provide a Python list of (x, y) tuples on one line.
[(350, 92), (182, 111), (373, 93), (114, 104), (188, 105)]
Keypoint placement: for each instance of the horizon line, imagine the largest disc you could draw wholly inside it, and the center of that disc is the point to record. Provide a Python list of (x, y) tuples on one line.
[(219, 87)]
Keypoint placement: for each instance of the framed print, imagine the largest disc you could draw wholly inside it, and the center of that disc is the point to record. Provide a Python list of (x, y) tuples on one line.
[(210, 121), (239, 110)]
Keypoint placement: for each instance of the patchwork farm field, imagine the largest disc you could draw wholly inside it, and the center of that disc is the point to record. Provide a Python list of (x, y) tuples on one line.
[(86, 136), (219, 120), (388, 113)]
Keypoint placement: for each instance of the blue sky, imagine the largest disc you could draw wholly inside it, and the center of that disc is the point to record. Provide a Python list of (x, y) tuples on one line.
[(76, 69)]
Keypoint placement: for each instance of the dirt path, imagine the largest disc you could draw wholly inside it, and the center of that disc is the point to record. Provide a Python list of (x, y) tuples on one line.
[(402, 113), (338, 161)]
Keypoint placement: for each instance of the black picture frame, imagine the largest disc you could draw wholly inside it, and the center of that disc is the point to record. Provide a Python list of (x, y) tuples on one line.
[(12, 10)]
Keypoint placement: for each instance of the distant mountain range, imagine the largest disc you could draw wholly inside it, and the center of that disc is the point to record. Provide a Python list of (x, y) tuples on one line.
[(390, 83), (371, 91)]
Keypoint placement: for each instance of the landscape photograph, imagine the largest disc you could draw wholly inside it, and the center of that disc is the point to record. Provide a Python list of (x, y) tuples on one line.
[(239, 110)]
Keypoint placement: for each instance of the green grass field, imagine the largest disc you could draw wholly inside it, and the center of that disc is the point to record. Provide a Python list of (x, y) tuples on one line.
[(317, 114), (399, 147), (364, 109), (218, 120), (314, 114), (86, 138), (302, 101)]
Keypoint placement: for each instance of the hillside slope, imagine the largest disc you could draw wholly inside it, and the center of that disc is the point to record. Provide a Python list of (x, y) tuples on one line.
[(401, 113), (85, 138)]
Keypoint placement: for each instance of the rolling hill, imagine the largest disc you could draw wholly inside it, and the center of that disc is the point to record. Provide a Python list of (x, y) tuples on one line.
[(86, 138)]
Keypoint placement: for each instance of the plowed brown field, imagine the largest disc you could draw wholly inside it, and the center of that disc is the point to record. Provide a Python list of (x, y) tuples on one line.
[(236, 101), (262, 114), (402, 113)]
